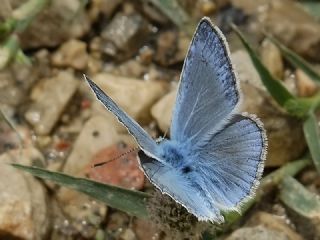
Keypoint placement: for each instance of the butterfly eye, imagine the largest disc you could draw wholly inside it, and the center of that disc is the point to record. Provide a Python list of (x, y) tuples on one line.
[(186, 169)]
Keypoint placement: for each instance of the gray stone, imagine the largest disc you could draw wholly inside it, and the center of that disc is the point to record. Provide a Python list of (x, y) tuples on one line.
[(274, 222), (24, 210), (306, 87), (135, 96), (50, 99), (162, 110), (124, 35), (60, 20), (15, 81), (72, 54), (271, 57), (254, 233), (96, 134)]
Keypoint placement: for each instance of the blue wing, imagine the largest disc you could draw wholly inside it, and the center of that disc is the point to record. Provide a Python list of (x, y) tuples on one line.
[(182, 189), (226, 170), (208, 91), (145, 142), (232, 161)]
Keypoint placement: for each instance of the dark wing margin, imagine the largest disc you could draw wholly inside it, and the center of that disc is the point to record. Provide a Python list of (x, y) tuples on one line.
[(209, 90)]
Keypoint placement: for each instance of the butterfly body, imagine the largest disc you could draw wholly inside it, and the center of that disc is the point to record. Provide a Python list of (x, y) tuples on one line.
[(215, 157), (173, 153)]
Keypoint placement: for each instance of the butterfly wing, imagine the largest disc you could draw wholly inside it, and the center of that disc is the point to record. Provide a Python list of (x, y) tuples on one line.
[(225, 171), (144, 141), (181, 188), (208, 91), (231, 162)]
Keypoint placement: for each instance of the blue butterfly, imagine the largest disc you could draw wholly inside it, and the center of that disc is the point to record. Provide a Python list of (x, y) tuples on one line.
[(215, 157)]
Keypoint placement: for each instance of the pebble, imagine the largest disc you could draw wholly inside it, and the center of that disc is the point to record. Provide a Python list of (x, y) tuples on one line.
[(273, 222), (24, 209), (50, 101), (61, 20), (172, 47), (121, 167), (135, 96), (271, 57), (306, 87), (96, 134), (162, 110), (124, 35), (72, 54), (254, 233)]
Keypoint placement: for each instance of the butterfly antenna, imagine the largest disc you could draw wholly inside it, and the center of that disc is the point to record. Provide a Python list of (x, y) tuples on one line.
[(112, 159)]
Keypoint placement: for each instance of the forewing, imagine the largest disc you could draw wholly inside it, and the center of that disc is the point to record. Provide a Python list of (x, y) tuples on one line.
[(145, 142), (208, 91), (233, 160), (181, 188)]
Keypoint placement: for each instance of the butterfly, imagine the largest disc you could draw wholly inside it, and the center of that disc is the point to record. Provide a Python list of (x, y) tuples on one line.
[(215, 156)]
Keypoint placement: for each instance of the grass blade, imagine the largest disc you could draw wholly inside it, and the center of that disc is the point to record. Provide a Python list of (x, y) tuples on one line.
[(129, 201), (296, 60), (274, 86), (312, 136), (294, 195)]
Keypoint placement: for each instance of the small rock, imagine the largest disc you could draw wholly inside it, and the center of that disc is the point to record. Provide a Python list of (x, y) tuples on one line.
[(171, 47), (15, 82), (24, 210), (28, 156), (255, 233), (146, 55), (97, 133), (103, 7), (6, 10), (72, 54), (128, 234), (207, 7), (131, 68), (10, 139), (94, 65), (275, 223), (121, 167), (82, 214), (59, 21), (162, 110), (50, 101), (306, 87), (145, 230), (272, 59), (124, 35), (290, 83), (135, 96), (166, 47)]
